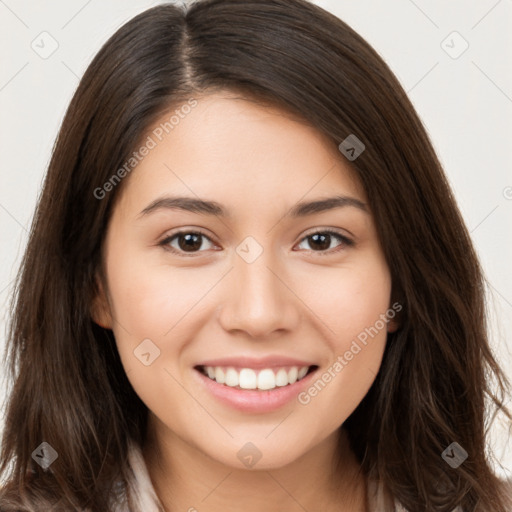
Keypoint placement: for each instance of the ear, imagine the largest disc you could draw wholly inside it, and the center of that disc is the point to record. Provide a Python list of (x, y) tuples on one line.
[(100, 308)]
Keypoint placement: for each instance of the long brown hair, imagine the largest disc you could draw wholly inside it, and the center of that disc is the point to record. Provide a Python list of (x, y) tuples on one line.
[(438, 382)]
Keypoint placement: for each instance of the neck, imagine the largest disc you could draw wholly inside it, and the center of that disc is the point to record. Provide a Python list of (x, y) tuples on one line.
[(326, 478)]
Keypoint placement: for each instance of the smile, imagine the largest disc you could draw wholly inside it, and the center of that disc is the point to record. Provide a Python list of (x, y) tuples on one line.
[(255, 385), (248, 378)]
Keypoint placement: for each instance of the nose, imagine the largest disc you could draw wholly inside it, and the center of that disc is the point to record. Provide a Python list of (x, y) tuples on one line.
[(257, 298)]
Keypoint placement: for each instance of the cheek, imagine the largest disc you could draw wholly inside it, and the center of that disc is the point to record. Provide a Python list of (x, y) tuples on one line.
[(147, 302), (355, 309), (340, 386), (148, 299), (149, 306), (352, 301)]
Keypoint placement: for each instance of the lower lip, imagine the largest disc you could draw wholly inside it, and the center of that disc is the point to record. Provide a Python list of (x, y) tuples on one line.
[(252, 400)]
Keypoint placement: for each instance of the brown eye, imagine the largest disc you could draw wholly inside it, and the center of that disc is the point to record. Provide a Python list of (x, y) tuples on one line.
[(187, 242), (320, 241)]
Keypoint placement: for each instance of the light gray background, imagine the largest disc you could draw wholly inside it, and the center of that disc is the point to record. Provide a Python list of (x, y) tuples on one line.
[(464, 102)]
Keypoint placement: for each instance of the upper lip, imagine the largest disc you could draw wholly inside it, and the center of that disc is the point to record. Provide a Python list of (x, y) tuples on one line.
[(257, 363)]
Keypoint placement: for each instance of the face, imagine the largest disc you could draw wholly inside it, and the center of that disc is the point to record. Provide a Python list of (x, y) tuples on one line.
[(254, 319)]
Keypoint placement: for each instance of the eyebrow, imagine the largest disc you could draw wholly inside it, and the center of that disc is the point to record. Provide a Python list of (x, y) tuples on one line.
[(194, 205)]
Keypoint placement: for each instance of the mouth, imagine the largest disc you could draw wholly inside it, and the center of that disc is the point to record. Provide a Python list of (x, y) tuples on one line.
[(259, 379)]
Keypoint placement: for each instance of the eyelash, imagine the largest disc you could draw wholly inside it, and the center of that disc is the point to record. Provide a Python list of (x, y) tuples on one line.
[(345, 242)]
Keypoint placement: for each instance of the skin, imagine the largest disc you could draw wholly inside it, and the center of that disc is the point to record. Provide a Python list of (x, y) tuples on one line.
[(295, 299)]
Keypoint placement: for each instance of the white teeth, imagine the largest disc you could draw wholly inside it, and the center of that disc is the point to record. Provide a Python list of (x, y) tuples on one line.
[(282, 377), (248, 378), (302, 372), (292, 374), (231, 378), (266, 379), (220, 376)]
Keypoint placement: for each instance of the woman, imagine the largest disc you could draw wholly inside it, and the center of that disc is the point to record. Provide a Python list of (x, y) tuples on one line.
[(179, 340)]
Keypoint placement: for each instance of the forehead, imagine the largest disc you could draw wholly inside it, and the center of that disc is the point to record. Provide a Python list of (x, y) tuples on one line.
[(239, 152)]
